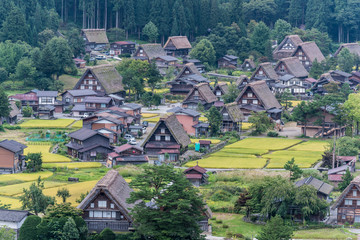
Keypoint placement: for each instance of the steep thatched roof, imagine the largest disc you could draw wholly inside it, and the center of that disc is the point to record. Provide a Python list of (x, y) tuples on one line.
[(241, 79), (108, 76), (354, 48), (311, 50), (153, 50), (205, 91), (116, 188), (175, 128), (224, 88), (234, 112), (263, 93), (250, 61), (96, 35), (179, 42), (294, 39), (267, 69), (354, 184), (14, 109), (293, 66)]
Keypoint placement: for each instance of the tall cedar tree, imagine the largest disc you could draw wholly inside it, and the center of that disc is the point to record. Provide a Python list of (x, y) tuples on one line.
[(293, 168), (4, 104), (167, 201), (204, 51), (260, 38), (276, 229), (215, 120), (346, 180), (14, 27)]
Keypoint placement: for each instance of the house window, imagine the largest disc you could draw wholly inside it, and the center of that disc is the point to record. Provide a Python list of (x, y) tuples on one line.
[(91, 214), (46, 100), (249, 94), (102, 204), (90, 75), (97, 214), (93, 153), (167, 138), (162, 130), (92, 205), (218, 93), (261, 72), (107, 214), (348, 202), (196, 97), (187, 72), (343, 217), (112, 205), (307, 63), (244, 101), (113, 214), (357, 219), (141, 50), (300, 58), (354, 193), (358, 202), (90, 82), (67, 100), (82, 87), (300, 53), (157, 138), (103, 105), (255, 102), (98, 88), (113, 127)]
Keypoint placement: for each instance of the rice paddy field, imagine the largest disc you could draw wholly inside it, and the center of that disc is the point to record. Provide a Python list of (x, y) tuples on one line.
[(40, 123), (270, 153), (47, 157), (77, 124), (149, 115), (72, 165), (213, 141)]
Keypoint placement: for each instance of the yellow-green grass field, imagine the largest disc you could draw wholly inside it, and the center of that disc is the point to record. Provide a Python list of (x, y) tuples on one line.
[(75, 189), (213, 141), (152, 120), (203, 119), (265, 143), (14, 189), (40, 123), (304, 159), (160, 91), (47, 157), (24, 177), (149, 115), (230, 162), (77, 124), (14, 202), (319, 146), (246, 126), (72, 165), (231, 149)]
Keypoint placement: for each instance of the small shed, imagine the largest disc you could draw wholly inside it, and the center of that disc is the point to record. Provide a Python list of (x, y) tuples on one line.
[(205, 144), (196, 175)]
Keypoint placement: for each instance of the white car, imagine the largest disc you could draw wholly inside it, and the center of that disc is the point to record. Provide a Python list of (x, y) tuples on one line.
[(132, 142), (129, 137)]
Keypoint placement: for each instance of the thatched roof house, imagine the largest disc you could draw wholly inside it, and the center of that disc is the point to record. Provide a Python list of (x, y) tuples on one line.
[(354, 48), (200, 93), (177, 46), (292, 66), (149, 51), (286, 47)]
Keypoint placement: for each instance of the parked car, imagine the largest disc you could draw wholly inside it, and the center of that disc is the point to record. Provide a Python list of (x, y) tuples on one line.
[(101, 57), (132, 142), (129, 137), (145, 123)]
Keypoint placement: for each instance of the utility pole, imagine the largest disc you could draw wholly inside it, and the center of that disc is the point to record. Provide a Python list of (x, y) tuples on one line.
[(333, 160)]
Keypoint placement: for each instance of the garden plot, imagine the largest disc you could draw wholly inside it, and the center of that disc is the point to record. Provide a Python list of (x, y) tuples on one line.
[(72, 165), (47, 157), (39, 123)]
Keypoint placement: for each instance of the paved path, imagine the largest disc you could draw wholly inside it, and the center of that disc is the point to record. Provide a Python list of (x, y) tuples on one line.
[(160, 109)]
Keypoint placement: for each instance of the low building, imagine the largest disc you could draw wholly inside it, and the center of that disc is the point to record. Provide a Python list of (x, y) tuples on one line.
[(187, 118), (168, 137), (353, 48), (95, 39), (108, 126), (286, 47), (293, 85), (196, 175), (27, 99), (220, 90), (13, 219), (79, 63), (200, 94), (14, 113), (148, 52), (12, 156), (73, 97), (48, 101), (307, 53), (177, 46), (346, 205), (242, 81), (122, 47), (335, 174), (106, 205), (127, 154), (86, 144), (323, 189), (231, 118), (201, 129), (248, 65), (198, 64), (90, 105), (228, 61), (291, 66)]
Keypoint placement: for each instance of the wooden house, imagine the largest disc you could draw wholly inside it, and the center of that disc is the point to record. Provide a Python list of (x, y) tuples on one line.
[(12, 156), (132, 109), (228, 61), (319, 86), (103, 79), (286, 47), (188, 77), (201, 129), (108, 126), (220, 90), (248, 65), (327, 129), (122, 47), (127, 154), (202, 94), (86, 144), (353, 48), (347, 204), (106, 205), (355, 78), (166, 61), (148, 52), (13, 219), (167, 137), (293, 85), (307, 52), (95, 39), (264, 71), (231, 118), (291, 66), (79, 63), (335, 174), (91, 105), (73, 97), (14, 113), (177, 46), (188, 118), (323, 189), (257, 97), (242, 81), (27, 99), (198, 64), (196, 175)]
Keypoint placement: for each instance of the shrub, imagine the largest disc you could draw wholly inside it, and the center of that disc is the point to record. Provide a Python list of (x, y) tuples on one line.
[(2, 128), (225, 226), (219, 221), (107, 234), (272, 134), (27, 229), (27, 111), (11, 127), (221, 195)]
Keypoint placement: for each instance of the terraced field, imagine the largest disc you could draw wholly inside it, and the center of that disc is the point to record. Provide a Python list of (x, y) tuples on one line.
[(47, 157), (45, 124)]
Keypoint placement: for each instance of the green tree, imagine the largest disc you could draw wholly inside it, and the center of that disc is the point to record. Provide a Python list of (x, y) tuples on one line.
[(215, 120), (7, 233), (260, 122), (345, 60), (204, 51), (276, 229), (34, 162), (63, 193), (107, 234), (281, 29), (346, 180), (14, 27), (76, 42), (62, 210), (28, 229), (154, 76), (232, 94), (293, 168), (316, 70), (297, 12), (259, 10), (167, 201), (309, 203), (45, 36), (3, 75), (260, 39), (33, 198), (304, 112), (27, 111), (318, 14), (151, 31), (285, 99), (26, 71), (62, 55), (70, 232), (4, 104)]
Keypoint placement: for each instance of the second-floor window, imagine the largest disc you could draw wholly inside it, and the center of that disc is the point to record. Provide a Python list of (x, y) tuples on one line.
[(249, 94), (102, 204), (354, 193), (167, 138), (67, 100), (162, 130), (255, 102), (46, 100), (157, 138), (244, 101), (348, 202), (103, 105)]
